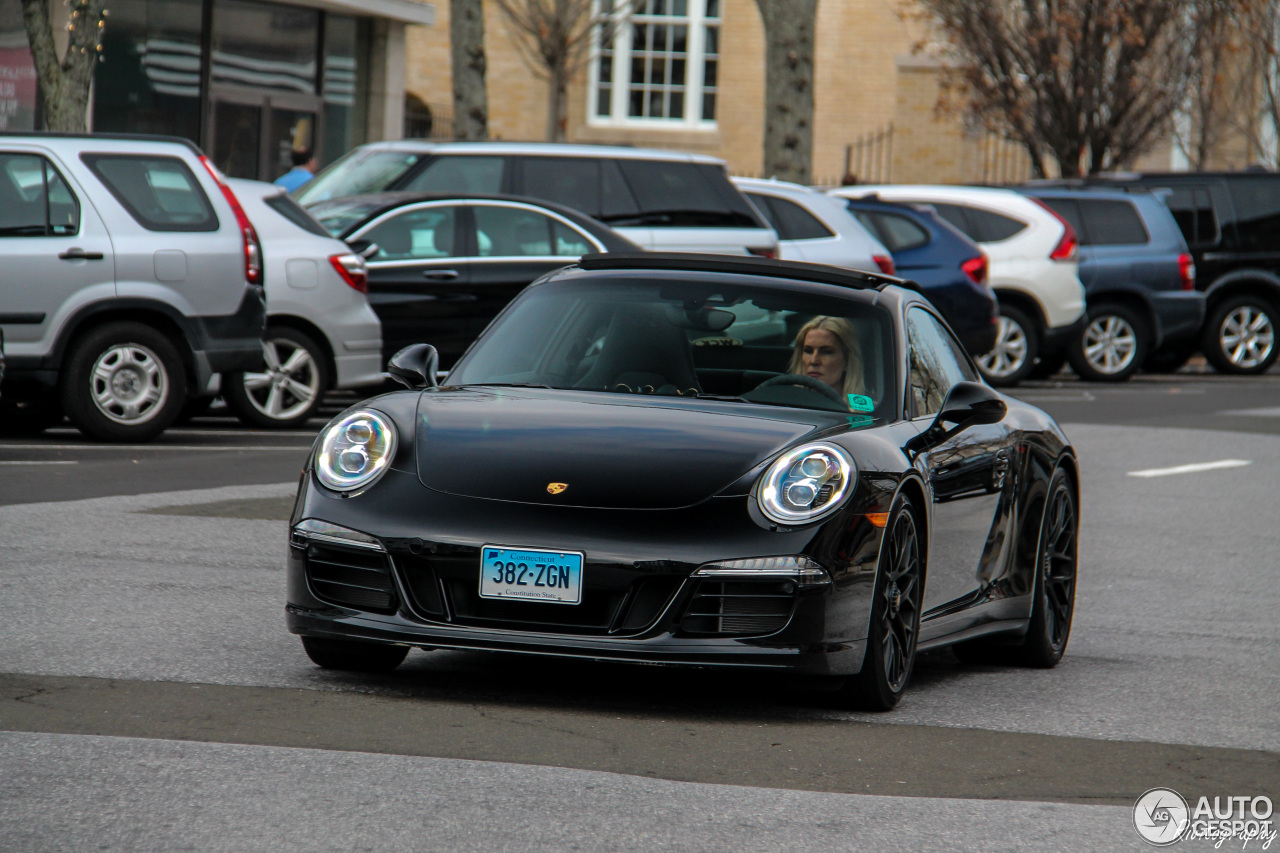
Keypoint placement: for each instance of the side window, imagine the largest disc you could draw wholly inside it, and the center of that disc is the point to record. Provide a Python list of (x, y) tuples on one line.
[(503, 232), (936, 363), (993, 227), (898, 233), (797, 223), (678, 194), (1070, 211), (35, 201), (573, 182), (1113, 223), (459, 174), (160, 193), (1257, 205), (957, 216), (1193, 211), (415, 235)]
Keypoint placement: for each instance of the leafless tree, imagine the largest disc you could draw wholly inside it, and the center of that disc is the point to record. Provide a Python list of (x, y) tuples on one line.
[(1216, 84), (555, 35), (64, 83), (470, 97), (788, 123), (1088, 84), (1258, 27)]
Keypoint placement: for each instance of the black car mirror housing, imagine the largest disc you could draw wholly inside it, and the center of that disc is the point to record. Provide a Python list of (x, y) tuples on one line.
[(967, 404), (414, 367)]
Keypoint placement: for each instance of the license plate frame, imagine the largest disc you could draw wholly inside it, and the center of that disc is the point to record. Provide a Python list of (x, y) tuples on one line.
[(538, 575)]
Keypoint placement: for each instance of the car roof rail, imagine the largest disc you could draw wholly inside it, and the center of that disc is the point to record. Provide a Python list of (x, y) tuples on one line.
[(691, 262)]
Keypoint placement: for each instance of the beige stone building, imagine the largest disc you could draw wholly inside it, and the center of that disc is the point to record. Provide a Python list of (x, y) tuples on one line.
[(689, 75)]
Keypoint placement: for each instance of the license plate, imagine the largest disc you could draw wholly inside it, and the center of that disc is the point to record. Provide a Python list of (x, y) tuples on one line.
[(553, 577)]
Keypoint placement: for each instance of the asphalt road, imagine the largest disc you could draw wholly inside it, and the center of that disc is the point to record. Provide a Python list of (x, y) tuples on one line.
[(150, 698)]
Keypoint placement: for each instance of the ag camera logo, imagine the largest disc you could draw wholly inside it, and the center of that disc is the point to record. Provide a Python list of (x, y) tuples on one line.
[(1161, 816)]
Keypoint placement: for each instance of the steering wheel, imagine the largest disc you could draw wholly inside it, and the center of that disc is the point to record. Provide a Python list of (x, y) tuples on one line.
[(806, 382)]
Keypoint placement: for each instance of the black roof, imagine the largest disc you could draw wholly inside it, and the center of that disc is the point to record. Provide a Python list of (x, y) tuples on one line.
[(742, 265)]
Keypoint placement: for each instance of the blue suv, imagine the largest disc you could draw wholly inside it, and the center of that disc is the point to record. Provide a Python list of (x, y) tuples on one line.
[(1139, 279), (949, 267)]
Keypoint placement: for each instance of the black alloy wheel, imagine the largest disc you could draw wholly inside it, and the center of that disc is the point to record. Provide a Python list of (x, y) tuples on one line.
[(353, 655), (894, 631)]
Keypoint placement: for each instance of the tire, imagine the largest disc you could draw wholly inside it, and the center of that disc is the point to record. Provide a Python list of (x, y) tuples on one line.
[(29, 417), (1240, 335), (1113, 345), (1053, 592), (353, 655), (291, 388), (894, 631), (1014, 355), (123, 382)]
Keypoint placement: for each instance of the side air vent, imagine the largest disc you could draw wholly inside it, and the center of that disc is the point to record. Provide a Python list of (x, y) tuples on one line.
[(739, 607)]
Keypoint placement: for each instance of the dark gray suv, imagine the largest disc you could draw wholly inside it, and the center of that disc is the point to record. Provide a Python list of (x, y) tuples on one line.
[(131, 275)]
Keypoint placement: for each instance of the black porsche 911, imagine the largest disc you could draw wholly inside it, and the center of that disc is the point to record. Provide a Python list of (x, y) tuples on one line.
[(694, 460)]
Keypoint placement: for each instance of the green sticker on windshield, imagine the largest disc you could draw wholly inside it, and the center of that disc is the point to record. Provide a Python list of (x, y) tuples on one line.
[(860, 403), (861, 420)]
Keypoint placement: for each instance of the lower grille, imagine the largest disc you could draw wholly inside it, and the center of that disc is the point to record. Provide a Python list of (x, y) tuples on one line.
[(741, 608), (350, 577)]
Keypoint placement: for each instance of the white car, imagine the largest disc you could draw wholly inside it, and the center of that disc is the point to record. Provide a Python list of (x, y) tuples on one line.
[(321, 332), (1033, 269), (814, 227)]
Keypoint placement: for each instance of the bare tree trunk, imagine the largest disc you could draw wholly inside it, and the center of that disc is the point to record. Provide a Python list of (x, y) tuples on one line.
[(557, 103), (64, 85), (788, 125), (470, 99)]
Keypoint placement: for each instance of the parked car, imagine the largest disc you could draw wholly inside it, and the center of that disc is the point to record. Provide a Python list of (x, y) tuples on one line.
[(1033, 269), (445, 265), (572, 490), (814, 227), (150, 281), (321, 333), (949, 267), (1231, 222), (1138, 276), (660, 200)]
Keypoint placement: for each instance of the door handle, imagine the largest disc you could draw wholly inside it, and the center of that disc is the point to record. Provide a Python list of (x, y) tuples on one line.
[(77, 254), (440, 275)]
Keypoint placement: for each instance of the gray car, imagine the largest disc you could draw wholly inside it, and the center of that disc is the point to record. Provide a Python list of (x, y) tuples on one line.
[(131, 274)]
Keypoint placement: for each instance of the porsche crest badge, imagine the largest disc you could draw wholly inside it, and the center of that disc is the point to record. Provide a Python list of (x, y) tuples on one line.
[(556, 488)]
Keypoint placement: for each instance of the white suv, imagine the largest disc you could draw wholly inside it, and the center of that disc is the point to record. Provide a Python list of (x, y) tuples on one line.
[(1033, 269)]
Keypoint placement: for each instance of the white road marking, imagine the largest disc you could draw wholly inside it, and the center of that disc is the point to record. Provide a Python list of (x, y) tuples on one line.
[(1191, 469), (144, 447), (1273, 412), (35, 462)]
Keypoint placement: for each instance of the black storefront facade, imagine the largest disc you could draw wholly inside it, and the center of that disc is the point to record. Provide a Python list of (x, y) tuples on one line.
[(246, 80)]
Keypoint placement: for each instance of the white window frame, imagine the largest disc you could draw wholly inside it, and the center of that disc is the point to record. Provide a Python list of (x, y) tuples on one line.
[(620, 91)]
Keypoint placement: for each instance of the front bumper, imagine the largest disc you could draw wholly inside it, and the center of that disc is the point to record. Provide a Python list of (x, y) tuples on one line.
[(640, 602)]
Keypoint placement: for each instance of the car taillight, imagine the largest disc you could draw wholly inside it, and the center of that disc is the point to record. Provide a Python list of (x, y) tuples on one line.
[(1066, 248), (353, 271), (1187, 271), (252, 246), (885, 263), (976, 269), (771, 252)]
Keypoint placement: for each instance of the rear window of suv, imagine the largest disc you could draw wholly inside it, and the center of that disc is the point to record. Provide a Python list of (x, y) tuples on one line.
[(675, 194), (160, 193), (1102, 222)]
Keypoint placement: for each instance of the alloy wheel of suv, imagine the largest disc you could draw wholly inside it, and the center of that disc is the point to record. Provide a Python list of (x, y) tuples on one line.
[(1014, 354), (1240, 336), (291, 388), (1113, 347)]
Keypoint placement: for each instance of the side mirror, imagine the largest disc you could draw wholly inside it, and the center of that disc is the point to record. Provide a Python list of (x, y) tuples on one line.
[(364, 248), (967, 404), (414, 367)]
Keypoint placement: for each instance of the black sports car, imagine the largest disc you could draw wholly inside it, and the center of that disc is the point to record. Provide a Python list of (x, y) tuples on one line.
[(693, 460)]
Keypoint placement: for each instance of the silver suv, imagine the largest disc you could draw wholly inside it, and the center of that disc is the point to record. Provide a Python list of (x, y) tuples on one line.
[(131, 274)]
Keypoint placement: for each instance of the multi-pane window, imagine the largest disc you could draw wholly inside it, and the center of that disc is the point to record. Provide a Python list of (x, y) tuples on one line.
[(657, 61)]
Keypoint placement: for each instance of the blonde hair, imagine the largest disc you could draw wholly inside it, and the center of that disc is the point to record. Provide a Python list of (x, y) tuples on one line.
[(843, 330)]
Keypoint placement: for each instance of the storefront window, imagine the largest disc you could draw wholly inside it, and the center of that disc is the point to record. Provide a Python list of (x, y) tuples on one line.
[(345, 85), (149, 77), (265, 46)]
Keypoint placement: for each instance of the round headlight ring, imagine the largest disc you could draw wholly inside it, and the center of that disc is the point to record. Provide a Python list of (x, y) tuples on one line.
[(355, 450), (790, 477)]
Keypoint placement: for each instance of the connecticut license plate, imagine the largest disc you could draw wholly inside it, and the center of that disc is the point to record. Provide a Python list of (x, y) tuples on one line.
[(548, 576)]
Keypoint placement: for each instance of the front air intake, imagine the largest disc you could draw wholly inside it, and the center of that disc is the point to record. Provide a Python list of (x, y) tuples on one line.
[(359, 578), (739, 607)]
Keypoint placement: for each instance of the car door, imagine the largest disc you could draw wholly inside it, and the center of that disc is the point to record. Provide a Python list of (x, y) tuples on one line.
[(419, 279), (514, 244), (969, 474), (57, 252)]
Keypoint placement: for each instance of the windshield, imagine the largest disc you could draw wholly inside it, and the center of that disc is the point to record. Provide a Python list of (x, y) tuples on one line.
[(698, 338), (364, 170), (338, 216)]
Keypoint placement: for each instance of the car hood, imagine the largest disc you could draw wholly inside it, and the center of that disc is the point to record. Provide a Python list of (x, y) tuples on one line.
[(607, 451)]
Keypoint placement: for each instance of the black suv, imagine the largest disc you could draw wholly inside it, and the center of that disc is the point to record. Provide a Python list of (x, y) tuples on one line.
[(1231, 221)]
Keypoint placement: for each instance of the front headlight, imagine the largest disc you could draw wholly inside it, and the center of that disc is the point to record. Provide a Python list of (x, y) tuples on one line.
[(807, 483), (355, 450)]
